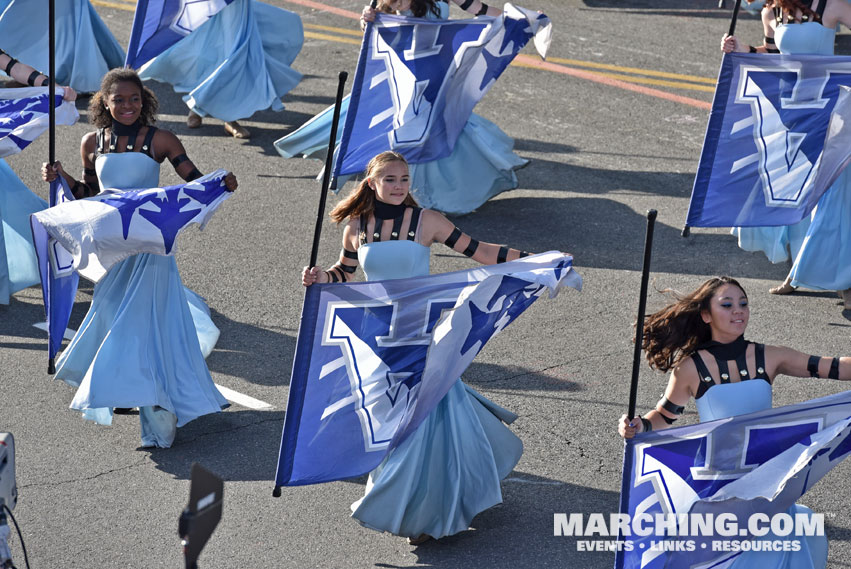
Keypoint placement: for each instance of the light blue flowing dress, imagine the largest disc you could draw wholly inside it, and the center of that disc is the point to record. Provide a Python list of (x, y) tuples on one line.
[(449, 469), (236, 63), (18, 264), (783, 243), (481, 165), (85, 48), (138, 345), (738, 398)]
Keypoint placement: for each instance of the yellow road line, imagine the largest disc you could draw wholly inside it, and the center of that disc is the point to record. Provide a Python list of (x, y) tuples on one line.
[(128, 7), (635, 70), (636, 80), (314, 35), (355, 33)]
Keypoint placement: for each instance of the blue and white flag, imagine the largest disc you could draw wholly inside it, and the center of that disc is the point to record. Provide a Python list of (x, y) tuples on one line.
[(24, 116), (373, 359), (746, 468), (104, 229), (88, 236), (778, 137), (418, 80), (159, 24)]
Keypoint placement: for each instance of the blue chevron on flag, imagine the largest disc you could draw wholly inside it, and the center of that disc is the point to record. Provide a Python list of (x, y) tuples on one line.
[(779, 135), (24, 116), (759, 463), (373, 359), (418, 80), (159, 24)]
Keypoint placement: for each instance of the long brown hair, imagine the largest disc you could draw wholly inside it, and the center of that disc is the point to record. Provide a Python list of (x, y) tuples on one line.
[(792, 7), (419, 8), (673, 333), (361, 202), (98, 113)]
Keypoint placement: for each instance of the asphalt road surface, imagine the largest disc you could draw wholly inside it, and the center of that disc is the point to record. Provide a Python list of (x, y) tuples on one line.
[(613, 127)]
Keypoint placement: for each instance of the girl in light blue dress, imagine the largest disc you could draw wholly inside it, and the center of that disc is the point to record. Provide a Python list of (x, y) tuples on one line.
[(234, 65), (481, 165), (449, 469), (85, 48), (696, 337), (139, 345), (819, 245), (18, 263)]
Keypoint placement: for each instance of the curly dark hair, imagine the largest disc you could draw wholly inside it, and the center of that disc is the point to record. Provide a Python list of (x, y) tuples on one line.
[(791, 8), (673, 333), (419, 8), (98, 113)]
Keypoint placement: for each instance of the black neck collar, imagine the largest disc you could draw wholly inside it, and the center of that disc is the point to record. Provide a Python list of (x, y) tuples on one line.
[(120, 129), (385, 210), (729, 351)]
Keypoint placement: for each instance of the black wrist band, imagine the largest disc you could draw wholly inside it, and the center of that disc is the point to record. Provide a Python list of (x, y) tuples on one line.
[(751, 49), (648, 426)]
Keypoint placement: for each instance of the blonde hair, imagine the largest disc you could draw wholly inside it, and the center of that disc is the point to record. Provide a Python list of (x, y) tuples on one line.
[(361, 202)]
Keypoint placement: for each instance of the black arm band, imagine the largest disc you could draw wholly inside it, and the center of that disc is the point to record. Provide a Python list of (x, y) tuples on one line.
[(769, 40), (812, 366), (90, 172), (194, 174), (671, 407), (350, 254), (453, 238), (483, 10), (669, 420), (344, 268), (466, 4), (502, 256), (751, 49), (772, 50), (648, 426), (834, 369), (10, 65), (471, 248), (178, 160), (333, 276), (32, 77)]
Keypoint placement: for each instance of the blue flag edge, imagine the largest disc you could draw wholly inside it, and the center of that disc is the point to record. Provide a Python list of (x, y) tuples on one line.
[(298, 386), (710, 142)]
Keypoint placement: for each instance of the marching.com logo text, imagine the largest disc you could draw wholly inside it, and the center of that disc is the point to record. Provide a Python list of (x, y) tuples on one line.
[(759, 532)]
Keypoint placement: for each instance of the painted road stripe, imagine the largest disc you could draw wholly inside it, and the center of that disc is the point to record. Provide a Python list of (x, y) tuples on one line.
[(241, 399), (67, 335)]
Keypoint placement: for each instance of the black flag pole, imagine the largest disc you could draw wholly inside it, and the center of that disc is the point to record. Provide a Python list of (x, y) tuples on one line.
[(686, 229), (642, 303), (51, 115), (329, 159), (735, 17)]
